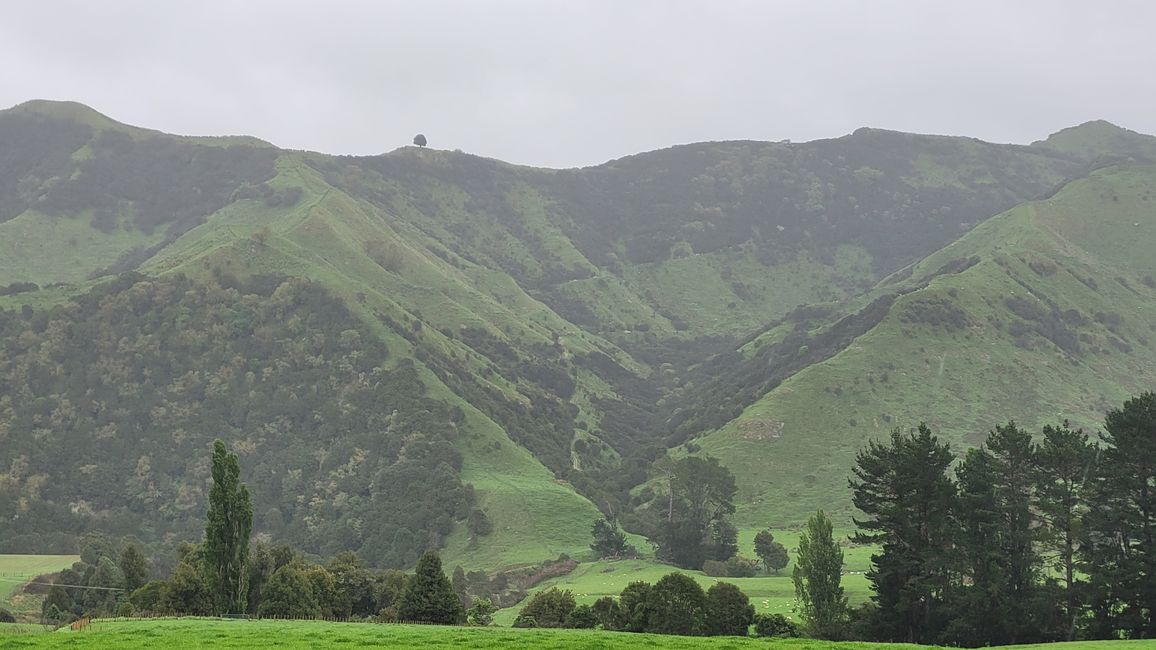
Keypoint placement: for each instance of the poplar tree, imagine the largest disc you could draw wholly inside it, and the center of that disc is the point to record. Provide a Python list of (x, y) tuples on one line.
[(817, 577), (229, 522)]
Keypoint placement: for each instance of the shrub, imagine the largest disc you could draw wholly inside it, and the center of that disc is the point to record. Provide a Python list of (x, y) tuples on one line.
[(741, 567), (714, 568), (289, 594), (549, 608), (728, 610), (481, 612), (525, 621), (676, 605), (6, 616), (775, 625), (582, 618), (634, 613), (607, 612)]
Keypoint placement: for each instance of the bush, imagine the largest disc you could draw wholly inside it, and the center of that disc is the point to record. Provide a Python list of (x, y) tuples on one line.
[(6, 616), (125, 609), (582, 618), (525, 621), (607, 611), (676, 605), (715, 569), (741, 567), (481, 612), (289, 594), (728, 610), (769, 625), (149, 597), (549, 608)]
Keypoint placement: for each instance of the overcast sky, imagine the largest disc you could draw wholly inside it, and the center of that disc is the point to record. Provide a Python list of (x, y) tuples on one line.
[(578, 83)]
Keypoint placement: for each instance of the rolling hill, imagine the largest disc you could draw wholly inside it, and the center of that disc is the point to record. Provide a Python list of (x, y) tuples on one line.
[(534, 338)]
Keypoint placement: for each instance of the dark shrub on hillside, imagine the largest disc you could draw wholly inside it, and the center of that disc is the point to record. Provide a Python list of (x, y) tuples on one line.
[(6, 616), (937, 311), (18, 287)]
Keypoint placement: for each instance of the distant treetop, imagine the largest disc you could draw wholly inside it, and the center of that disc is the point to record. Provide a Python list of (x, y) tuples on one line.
[(419, 140)]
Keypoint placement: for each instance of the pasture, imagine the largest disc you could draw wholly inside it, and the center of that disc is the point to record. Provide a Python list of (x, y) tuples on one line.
[(163, 634)]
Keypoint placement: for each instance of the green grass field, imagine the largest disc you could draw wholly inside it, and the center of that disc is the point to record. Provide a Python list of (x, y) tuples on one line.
[(290, 635), (15, 570), (769, 594)]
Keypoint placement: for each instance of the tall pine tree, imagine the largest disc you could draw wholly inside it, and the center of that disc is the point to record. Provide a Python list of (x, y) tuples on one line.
[(229, 522), (998, 531), (1065, 461), (907, 499), (1121, 527)]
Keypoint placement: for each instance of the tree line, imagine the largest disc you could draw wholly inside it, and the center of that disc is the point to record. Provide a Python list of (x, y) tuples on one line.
[(1026, 539)]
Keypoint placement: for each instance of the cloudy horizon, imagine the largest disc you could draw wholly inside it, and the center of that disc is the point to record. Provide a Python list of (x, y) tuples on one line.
[(578, 83)]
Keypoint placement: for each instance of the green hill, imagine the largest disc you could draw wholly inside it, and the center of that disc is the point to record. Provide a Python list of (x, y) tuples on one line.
[(1041, 314), (517, 341)]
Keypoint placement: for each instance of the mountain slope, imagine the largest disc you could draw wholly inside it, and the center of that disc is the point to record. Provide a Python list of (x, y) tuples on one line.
[(552, 324), (1046, 313)]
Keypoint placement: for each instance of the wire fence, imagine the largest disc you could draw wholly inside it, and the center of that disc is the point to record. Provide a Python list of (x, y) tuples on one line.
[(88, 623)]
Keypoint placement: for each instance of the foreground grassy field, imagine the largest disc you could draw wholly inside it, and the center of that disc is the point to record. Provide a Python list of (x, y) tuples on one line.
[(208, 633), (212, 633)]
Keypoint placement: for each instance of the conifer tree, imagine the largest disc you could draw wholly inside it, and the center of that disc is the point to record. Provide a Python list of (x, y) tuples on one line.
[(134, 567), (229, 522), (1065, 461), (907, 498), (429, 597), (997, 541), (1121, 536)]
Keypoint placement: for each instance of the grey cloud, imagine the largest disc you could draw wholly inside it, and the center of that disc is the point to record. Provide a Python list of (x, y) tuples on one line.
[(574, 83)]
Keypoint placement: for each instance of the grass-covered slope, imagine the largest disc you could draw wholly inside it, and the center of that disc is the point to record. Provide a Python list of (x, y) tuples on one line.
[(1044, 313), (16, 571)]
